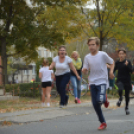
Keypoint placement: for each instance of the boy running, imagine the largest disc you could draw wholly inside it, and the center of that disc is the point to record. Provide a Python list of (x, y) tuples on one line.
[(124, 68), (96, 61)]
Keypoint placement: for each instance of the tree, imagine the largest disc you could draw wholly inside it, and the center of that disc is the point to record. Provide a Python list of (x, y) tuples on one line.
[(110, 19), (27, 27)]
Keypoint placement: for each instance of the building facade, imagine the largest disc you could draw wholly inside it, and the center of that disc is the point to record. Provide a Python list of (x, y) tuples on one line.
[(27, 73)]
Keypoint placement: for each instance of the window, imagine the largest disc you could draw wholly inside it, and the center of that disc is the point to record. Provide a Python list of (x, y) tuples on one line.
[(26, 72), (34, 70)]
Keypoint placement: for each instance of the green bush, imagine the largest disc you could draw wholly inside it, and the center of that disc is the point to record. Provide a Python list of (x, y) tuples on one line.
[(30, 89), (13, 88), (24, 89)]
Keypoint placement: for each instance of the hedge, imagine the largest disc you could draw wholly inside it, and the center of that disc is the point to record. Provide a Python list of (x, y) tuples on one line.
[(24, 89)]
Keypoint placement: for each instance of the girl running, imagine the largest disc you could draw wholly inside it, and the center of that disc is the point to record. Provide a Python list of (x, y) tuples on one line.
[(46, 78)]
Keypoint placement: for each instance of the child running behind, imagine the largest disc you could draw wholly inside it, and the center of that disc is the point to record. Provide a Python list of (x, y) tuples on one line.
[(124, 68), (46, 78), (96, 62)]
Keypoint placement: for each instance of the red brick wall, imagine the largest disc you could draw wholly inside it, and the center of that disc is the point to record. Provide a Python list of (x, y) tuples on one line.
[(0, 72)]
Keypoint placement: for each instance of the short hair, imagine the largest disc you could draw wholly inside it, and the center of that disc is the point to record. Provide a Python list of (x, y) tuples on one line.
[(122, 49), (76, 53), (45, 62), (62, 47), (97, 40)]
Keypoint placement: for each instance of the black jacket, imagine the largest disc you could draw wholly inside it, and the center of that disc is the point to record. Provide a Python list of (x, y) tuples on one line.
[(124, 72)]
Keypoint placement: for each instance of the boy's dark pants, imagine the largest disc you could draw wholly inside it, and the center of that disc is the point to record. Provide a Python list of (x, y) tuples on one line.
[(127, 87), (98, 93)]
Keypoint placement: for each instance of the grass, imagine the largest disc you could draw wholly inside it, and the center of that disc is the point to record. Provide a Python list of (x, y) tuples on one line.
[(25, 103)]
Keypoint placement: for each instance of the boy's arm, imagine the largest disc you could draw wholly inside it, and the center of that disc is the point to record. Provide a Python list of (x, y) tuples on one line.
[(111, 67), (110, 62), (129, 66), (85, 66), (84, 70)]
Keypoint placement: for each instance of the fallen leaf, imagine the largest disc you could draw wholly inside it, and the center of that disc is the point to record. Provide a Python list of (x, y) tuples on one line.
[(3, 111)]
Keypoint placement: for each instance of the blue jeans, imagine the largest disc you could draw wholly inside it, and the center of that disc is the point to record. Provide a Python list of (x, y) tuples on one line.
[(98, 94), (76, 86), (61, 82)]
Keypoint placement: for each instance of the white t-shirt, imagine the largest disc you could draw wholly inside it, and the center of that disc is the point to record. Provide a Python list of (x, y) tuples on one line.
[(98, 68), (46, 74), (62, 68)]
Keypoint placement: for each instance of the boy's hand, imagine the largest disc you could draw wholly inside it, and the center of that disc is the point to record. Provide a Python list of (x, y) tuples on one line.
[(111, 75), (84, 70), (126, 63)]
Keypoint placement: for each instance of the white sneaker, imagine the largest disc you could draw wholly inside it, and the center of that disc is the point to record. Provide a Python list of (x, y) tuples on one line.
[(43, 104), (48, 104)]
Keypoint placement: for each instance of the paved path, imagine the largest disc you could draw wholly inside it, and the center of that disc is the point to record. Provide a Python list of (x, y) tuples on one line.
[(75, 119)]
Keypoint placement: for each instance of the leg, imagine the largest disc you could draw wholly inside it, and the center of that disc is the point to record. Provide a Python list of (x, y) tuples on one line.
[(79, 88), (96, 103), (74, 84), (65, 79), (43, 94), (58, 81), (48, 91), (120, 91), (127, 93)]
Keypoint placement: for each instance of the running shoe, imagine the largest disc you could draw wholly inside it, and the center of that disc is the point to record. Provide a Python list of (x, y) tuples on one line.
[(127, 111), (119, 102), (102, 126), (106, 104), (75, 100), (78, 101), (62, 106), (48, 104)]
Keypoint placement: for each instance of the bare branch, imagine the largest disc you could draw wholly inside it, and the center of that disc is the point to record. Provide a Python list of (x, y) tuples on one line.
[(88, 22)]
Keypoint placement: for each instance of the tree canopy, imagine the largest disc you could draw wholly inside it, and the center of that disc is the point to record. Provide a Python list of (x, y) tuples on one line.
[(109, 19)]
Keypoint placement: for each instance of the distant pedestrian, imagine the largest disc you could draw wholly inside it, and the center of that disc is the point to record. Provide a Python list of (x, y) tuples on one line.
[(77, 62), (63, 64), (46, 78), (96, 62)]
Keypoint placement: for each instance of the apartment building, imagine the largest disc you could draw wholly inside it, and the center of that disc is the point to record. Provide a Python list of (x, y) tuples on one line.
[(25, 73)]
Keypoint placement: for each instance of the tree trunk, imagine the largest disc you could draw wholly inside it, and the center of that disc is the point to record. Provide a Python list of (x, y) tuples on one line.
[(4, 60), (101, 40)]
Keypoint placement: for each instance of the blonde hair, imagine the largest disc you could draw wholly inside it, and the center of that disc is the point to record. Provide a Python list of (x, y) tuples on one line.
[(97, 40), (74, 53), (45, 62)]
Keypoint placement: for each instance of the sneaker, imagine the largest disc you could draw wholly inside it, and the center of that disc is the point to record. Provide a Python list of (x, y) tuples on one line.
[(119, 102), (75, 100), (48, 104), (106, 104), (102, 126), (61, 106), (78, 101), (127, 111), (43, 104)]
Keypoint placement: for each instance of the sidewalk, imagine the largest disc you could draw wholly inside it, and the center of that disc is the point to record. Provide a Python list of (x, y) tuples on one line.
[(34, 115)]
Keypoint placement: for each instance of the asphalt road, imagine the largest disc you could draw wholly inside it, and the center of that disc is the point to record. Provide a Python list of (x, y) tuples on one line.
[(82, 121)]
